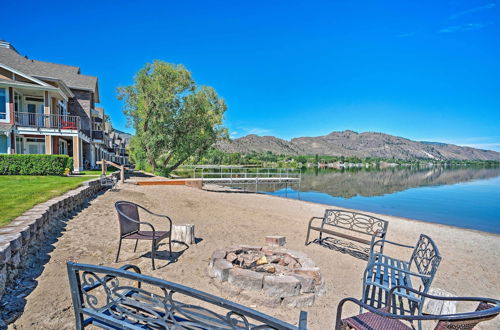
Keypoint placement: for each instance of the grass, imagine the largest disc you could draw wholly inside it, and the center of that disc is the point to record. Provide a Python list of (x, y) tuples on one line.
[(19, 193), (110, 169)]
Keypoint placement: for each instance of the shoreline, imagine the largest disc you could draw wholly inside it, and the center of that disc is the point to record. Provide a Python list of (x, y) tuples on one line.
[(226, 219), (223, 188)]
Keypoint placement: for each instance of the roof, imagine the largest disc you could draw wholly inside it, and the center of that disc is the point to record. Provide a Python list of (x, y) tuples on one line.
[(70, 75)]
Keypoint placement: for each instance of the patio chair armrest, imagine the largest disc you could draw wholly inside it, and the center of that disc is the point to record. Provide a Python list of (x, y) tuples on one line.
[(372, 263), (148, 224), (430, 296), (382, 242), (157, 215), (447, 317), (338, 322)]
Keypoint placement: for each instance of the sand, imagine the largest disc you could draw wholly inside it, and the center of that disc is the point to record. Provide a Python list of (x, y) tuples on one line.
[(471, 259)]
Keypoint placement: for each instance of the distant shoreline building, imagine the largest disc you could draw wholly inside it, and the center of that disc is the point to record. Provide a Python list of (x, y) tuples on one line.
[(49, 108)]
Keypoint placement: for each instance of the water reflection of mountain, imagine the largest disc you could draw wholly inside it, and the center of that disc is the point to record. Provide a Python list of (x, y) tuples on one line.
[(376, 183)]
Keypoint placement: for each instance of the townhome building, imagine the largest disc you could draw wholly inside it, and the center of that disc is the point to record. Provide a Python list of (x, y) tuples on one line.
[(48, 108)]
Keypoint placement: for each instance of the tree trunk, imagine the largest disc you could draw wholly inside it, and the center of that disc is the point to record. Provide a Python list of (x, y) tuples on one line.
[(179, 163), (183, 235)]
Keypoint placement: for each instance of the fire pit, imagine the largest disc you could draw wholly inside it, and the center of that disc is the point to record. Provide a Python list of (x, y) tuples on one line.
[(282, 276)]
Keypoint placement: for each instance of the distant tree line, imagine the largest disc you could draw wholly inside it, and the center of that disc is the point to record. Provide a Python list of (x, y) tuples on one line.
[(268, 159)]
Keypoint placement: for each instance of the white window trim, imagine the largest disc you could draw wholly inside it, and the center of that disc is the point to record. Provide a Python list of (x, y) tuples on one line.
[(7, 106)]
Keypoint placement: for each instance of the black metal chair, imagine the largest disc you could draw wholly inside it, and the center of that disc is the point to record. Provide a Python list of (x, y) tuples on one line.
[(130, 223), (382, 318)]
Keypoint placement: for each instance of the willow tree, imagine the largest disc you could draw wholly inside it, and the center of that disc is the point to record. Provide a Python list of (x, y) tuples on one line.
[(173, 118)]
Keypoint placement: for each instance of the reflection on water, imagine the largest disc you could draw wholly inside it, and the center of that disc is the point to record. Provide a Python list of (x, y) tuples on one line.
[(465, 197), (348, 184)]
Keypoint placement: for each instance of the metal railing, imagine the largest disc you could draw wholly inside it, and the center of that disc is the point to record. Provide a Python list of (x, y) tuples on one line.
[(234, 173), (97, 135), (40, 120)]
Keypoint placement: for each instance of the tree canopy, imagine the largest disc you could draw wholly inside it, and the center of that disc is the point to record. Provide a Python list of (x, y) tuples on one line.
[(173, 118)]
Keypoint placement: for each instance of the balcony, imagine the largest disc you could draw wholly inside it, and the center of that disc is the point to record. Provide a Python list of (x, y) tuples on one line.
[(97, 135), (40, 120)]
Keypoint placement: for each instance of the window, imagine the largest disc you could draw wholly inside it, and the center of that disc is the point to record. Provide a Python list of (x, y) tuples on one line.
[(4, 105)]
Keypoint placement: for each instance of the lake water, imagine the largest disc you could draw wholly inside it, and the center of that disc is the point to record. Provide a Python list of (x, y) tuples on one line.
[(462, 197)]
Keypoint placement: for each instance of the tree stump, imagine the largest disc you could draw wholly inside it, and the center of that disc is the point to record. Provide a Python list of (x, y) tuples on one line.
[(183, 235), (439, 307)]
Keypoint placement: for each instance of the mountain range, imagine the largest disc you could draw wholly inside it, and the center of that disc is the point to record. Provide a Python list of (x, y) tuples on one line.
[(348, 143)]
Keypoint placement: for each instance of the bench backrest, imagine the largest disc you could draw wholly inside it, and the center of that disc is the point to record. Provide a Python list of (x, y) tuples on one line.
[(126, 299), (426, 259), (358, 222)]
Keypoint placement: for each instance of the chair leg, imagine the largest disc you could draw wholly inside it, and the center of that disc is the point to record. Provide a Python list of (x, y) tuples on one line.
[(119, 248), (136, 241), (153, 247)]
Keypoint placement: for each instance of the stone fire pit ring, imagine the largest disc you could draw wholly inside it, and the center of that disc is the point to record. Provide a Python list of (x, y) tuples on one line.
[(290, 278)]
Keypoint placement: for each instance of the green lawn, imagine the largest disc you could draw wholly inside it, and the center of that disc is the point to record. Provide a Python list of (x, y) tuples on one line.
[(19, 193), (98, 172)]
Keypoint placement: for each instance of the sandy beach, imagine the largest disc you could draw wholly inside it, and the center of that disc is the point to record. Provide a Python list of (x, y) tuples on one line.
[(470, 265)]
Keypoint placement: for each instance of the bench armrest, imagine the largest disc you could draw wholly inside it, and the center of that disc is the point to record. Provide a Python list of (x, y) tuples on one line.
[(311, 220)]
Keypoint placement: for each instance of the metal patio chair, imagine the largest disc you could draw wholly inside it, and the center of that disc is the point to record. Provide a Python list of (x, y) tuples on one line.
[(382, 319), (130, 223), (383, 273)]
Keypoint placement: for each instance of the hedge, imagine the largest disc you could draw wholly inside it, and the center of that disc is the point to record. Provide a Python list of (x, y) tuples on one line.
[(34, 164)]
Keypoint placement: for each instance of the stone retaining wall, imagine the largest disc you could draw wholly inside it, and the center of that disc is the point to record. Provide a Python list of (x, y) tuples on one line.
[(26, 232)]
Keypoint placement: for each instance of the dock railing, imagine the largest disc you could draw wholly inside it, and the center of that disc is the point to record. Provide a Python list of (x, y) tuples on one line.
[(236, 173)]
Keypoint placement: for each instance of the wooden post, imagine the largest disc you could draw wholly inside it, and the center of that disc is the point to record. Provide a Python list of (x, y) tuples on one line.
[(103, 167), (122, 174), (48, 145), (76, 154)]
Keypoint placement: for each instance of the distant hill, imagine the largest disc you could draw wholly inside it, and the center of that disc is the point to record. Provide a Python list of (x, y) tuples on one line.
[(349, 143)]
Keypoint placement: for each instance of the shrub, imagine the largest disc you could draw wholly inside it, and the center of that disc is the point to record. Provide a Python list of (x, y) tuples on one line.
[(34, 164)]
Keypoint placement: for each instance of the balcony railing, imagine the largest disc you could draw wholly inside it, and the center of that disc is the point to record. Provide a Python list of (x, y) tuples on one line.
[(40, 120), (97, 135)]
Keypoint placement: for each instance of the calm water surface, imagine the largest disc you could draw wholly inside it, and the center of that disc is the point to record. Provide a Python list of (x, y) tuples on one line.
[(465, 197)]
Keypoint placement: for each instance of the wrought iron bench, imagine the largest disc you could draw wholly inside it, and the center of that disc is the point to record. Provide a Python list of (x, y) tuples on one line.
[(382, 319), (123, 298), (338, 222), (108, 181), (383, 273)]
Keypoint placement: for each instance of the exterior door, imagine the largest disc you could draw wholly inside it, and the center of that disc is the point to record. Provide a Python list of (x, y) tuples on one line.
[(34, 111), (31, 114)]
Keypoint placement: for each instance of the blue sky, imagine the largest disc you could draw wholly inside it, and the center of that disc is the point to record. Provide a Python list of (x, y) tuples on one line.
[(425, 70)]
